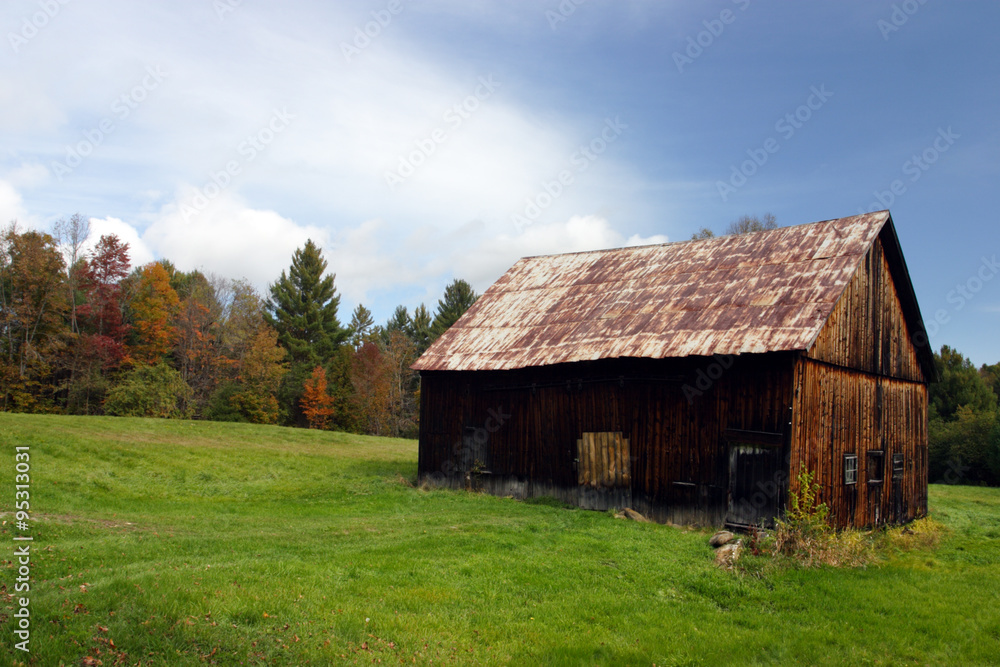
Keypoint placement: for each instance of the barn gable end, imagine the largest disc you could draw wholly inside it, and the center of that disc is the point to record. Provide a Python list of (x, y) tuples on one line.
[(868, 328)]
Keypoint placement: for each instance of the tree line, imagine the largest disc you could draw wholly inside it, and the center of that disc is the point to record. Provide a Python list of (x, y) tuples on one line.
[(88, 333), (964, 421)]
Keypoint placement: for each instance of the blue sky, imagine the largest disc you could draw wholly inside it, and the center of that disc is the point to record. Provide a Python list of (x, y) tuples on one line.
[(457, 136)]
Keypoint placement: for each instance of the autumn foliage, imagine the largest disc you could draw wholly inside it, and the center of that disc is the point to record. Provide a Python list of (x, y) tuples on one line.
[(317, 405), (82, 331)]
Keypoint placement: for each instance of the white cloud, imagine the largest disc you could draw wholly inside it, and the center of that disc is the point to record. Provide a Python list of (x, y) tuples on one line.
[(139, 253), (487, 260), (10, 204), (28, 175), (228, 238), (12, 208)]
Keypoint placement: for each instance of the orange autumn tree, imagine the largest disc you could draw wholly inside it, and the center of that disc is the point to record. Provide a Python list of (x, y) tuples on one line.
[(317, 405), (154, 307)]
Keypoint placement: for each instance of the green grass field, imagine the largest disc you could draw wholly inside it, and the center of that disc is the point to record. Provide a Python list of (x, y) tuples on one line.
[(189, 543)]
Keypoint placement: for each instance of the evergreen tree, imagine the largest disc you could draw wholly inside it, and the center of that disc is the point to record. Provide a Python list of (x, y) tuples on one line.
[(361, 325), (458, 298), (420, 329), (400, 320), (302, 308)]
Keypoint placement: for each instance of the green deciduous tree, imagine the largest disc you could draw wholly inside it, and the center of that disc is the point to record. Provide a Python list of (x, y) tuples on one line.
[(991, 376), (149, 391), (960, 384), (963, 425)]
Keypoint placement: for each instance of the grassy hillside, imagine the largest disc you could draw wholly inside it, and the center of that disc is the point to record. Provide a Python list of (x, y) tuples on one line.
[(184, 543)]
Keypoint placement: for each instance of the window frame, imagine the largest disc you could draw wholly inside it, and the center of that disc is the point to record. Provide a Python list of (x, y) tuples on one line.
[(876, 463), (898, 470), (850, 471)]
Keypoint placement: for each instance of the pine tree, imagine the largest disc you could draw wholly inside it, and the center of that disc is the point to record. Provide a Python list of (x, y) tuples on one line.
[(361, 324), (303, 310), (400, 320), (458, 298), (420, 329)]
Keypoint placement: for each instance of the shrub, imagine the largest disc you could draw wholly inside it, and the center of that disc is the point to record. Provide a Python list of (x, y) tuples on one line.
[(149, 391), (233, 402), (965, 450), (806, 536)]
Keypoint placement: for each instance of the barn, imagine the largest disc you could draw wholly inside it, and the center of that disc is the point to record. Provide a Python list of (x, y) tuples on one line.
[(692, 381)]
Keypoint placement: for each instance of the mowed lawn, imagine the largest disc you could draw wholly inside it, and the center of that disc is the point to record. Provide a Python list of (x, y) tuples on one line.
[(189, 543)]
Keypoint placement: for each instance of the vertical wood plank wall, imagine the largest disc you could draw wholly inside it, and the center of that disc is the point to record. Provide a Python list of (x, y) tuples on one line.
[(867, 329), (838, 412), (860, 388), (679, 459)]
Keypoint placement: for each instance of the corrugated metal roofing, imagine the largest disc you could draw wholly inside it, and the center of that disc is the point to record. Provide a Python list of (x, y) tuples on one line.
[(759, 292)]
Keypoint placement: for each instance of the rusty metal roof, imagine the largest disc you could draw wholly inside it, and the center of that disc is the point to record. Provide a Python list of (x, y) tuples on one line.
[(759, 292)]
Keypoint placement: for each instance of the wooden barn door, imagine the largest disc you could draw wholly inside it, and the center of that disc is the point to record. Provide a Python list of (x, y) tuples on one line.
[(604, 475), (757, 478)]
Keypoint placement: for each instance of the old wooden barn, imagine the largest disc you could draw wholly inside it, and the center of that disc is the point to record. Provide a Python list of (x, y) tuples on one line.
[(692, 381)]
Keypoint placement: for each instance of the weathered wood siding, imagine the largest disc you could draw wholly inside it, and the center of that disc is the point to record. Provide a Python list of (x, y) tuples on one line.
[(860, 389), (839, 411), (524, 426), (867, 329)]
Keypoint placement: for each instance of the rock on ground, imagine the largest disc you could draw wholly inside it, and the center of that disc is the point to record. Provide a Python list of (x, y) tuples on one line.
[(720, 538), (728, 554)]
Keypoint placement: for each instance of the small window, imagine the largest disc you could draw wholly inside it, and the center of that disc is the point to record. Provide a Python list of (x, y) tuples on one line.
[(850, 468), (898, 462), (876, 466)]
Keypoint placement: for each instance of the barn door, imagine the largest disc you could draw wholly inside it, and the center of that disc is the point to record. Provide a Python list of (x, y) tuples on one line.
[(756, 481), (603, 467)]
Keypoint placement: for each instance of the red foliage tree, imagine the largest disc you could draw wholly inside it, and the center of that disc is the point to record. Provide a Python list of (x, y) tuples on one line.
[(104, 330)]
